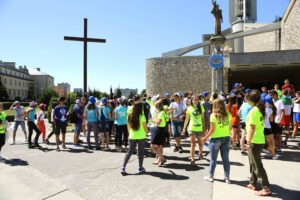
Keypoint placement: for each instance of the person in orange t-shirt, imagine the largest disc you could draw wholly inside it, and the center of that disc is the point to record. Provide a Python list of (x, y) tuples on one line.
[(233, 109)]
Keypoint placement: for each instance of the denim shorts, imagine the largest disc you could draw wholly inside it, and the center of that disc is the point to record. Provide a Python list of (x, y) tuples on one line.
[(296, 117), (177, 128), (153, 131), (104, 126), (21, 123), (78, 128)]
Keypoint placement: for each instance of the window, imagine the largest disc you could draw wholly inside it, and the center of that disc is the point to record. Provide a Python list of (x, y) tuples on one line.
[(10, 81)]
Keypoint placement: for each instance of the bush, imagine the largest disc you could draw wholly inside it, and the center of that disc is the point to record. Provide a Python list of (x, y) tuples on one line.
[(71, 98), (53, 99)]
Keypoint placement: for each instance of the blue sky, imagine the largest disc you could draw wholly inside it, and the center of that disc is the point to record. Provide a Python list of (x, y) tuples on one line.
[(32, 34)]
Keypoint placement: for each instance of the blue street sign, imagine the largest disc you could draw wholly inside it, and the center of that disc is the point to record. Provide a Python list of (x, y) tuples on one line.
[(216, 61)]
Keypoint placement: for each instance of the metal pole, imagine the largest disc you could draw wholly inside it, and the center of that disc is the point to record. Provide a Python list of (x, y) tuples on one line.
[(85, 57)]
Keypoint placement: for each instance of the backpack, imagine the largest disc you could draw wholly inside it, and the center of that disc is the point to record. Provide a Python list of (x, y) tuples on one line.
[(73, 117), (102, 118)]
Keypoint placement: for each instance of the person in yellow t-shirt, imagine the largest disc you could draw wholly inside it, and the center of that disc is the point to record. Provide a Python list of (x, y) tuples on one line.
[(255, 124), (137, 128), (195, 119), (219, 132), (2, 127)]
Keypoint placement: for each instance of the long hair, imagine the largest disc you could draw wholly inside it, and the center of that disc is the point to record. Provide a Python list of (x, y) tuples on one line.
[(219, 110), (134, 117), (254, 97), (232, 101), (91, 107), (198, 105), (159, 105)]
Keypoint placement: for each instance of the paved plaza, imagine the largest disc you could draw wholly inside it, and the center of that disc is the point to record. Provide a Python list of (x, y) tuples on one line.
[(78, 173)]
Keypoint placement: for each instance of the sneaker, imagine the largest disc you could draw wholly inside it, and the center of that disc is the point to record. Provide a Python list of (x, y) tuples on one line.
[(277, 150), (244, 153), (47, 142), (77, 145), (37, 145), (44, 141), (227, 180), (57, 149), (206, 145), (26, 140), (142, 170), (180, 149), (193, 163), (1, 158), (80, 141), (175, 149), (275, 157), (98, 148), (64, 146), (208, 178), (90, 147), (30, 146), (123, 172), (13, 143)]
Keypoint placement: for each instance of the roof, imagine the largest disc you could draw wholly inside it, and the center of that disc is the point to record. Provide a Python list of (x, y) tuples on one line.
[(35, 72), (288, 10)]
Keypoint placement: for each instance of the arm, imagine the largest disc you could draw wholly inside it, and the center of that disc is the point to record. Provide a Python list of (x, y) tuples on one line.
[(27, 115), (39, 118), (281, 117), (210, 132), (116, 115), (145, 127), (250, 135), (12, 107), (203, 122), (187, 119)]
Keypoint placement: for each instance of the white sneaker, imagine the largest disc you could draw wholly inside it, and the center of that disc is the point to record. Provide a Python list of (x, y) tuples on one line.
[(275, 157), (26, 140), (208, 178), (13, 143), (227, 180), (269, 154)]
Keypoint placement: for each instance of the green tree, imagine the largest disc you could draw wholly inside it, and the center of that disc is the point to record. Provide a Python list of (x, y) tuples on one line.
[(143, 92), (71, 98), (111, 94), (118, 93), (131, 94), (46, 96), (3, 92), (53, 99)]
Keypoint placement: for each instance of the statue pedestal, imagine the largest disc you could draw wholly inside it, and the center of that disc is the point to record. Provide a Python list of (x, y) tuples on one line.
[(219, 39)]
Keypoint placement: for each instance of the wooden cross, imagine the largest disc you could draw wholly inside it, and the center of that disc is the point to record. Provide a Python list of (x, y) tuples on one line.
[(85, 40)]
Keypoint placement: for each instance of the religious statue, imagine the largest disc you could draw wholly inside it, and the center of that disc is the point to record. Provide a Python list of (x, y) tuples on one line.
[(217, 12)]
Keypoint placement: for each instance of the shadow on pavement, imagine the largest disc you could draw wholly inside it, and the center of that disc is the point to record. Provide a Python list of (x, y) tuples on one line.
[(85, 150), (291, 156), (162, 175), (186, 167), (15, 162)]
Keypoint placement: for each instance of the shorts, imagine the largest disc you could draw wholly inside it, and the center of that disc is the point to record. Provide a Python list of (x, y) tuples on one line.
[(235, 126), (60, 128), (153, 131), (296, 117), (286, 122), (268, 131), (21, 123), (83, 122), (276, 129), (78, 128), (104, 126), (196, 133), (177, 128), (243, 125), (159, 136)]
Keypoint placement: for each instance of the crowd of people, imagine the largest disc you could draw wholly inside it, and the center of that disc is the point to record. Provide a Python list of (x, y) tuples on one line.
[(245, 119)]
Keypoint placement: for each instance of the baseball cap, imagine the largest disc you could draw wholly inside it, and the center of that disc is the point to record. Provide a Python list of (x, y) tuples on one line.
[(42, 105), (204, 94), (247, 90), (17, 102), (180, 94), (92, 100), (155, 98), (167, 94), (236, 85), (104, 100)]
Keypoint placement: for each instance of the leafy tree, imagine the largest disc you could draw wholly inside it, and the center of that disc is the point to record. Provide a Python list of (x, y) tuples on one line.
[(3, 92), (71, 98), (53, 99), (131, 94), (46, 96), (143, 92), (118, 93)]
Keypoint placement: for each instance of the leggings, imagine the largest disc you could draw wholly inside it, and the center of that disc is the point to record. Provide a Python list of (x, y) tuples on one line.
[(121, 130), (132, 146), (52, 132), (31, 127), (2, 140), (42, 128), (90, 126)]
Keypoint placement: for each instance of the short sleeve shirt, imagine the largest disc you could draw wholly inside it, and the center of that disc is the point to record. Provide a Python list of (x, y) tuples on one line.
[(60, 114), (234, 114), (19, 111), (178, 110), (196, 123), (279, 106), (41, 115), (121, 111), (105, 111), (269, 112), (91, 114), (78, 111), (31, 114), (256, 118), (245, 109), (162, 116), (221, 127), (138, 134)]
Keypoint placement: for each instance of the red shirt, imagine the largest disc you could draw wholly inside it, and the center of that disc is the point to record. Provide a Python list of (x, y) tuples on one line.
[(235, 120), (288, 87)]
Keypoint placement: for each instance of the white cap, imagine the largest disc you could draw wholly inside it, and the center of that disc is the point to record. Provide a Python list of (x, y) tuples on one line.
[(78, 101), (155, 98)]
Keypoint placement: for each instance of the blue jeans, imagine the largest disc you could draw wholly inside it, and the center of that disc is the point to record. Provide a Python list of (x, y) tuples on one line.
[(177, 128), (78, 128), (222, 144)]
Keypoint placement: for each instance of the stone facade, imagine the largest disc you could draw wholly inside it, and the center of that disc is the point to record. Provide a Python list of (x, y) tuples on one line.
[(178, 74), (260, 42), (290, 26)]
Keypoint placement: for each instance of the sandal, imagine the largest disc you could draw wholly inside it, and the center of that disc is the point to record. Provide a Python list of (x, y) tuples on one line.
[(156, 163), (252, 187), (264, 193)]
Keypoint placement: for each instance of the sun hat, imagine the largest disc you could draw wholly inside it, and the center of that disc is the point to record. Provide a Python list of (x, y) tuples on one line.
[(33, 103), (155, 98)]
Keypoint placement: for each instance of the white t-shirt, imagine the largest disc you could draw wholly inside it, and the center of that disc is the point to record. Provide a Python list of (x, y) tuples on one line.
[(296, 108), (41, 115), (178, 110), (269, 112), (187, 102), (19, 111), (279, 106), (153, 111)]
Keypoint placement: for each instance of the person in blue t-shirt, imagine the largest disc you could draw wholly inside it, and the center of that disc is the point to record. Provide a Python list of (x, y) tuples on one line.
[(32, 126), (91, 114), (243, 112), (60, 113), (78, 124), (120, 115), (104, 118)]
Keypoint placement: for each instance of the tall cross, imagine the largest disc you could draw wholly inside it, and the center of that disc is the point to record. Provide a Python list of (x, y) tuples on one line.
[(85, 40)]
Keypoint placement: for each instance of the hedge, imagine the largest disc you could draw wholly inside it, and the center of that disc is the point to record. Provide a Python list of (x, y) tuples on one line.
[(11, 118), (7, 105)]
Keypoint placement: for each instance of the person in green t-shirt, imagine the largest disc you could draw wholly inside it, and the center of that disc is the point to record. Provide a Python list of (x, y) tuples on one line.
[(219, 132), (137, 128), (255, 143), (158, 139), (279, 92), (195, 119), (2, 128)]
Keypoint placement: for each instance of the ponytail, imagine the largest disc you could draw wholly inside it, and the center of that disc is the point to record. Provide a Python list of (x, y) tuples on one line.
[(262, 108)]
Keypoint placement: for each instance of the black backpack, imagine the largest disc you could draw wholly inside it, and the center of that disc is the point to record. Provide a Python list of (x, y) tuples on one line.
[(73, 117)]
